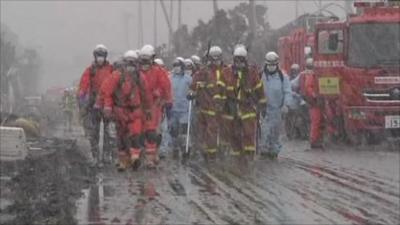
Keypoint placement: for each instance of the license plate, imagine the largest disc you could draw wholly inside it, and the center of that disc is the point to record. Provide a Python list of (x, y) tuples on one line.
[(392, 121)]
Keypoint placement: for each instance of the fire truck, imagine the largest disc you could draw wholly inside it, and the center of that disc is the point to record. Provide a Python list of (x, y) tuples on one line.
[(357, 62)]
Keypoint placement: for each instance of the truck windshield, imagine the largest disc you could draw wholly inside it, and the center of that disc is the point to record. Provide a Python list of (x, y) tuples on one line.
[(374, 44)]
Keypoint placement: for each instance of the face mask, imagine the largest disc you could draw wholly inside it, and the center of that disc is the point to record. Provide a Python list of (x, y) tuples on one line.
[(188, 72), (130, 69), (177, 70), (100, 60), (272, 68), (216, 62), (145, 67)]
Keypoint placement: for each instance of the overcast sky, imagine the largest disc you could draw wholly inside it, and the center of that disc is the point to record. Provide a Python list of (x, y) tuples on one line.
[(65, 32)]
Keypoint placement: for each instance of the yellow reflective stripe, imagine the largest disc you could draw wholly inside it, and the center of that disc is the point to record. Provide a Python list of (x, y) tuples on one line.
[(211, 150), (230, 88), (219, 82), (259, 85), (219, 97), (228, 117), (250, 148), (200, 83), (208, 112), (238, 85), (235, 153), (210, 85), (247, 116), (263, 100)]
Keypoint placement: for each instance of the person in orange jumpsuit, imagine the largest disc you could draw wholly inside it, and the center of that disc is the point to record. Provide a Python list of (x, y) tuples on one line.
[(160, 90), (244, 99), (309, 91), (127, 100), (206, 88), (89, 87)]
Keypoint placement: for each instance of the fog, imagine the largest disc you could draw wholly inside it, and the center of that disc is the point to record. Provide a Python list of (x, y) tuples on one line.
[(65, 32)]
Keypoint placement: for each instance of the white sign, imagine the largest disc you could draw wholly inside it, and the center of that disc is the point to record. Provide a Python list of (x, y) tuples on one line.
[(392, 121), (387, 80)]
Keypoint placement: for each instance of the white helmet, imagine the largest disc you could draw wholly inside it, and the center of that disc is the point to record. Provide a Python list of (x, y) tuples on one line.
[(100, 50), (295, 67), (188, 62), (131, 55), (272, 58), (180, 59), (309, 63), (159, 61), (215, 52), (195, 59), (147, 52), (240, 50)]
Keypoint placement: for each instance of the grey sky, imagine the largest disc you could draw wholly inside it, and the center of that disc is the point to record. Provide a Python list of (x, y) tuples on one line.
[(65, 32)]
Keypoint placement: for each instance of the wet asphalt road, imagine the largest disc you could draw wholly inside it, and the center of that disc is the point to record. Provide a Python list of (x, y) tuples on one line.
[(340, 185)]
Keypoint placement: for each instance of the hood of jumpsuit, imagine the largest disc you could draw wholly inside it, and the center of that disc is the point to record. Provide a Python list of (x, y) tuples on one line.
[(180, 89)]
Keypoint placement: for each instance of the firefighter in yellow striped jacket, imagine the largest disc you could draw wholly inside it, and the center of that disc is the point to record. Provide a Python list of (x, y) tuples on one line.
[(244, 98), (206, 88)]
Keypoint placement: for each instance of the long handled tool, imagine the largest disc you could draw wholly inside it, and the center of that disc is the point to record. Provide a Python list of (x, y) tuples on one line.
[(188, 128)]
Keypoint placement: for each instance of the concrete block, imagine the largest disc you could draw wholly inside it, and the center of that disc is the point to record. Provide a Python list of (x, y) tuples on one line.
[(12, 144)]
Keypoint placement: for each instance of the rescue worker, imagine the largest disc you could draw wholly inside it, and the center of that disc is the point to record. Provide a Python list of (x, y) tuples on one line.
[(278, 92), (206, 88), (178, 120), (127, 99), (160, 90), (244, 99), (309, 91), (297, 119), (197, 63), (89, 87)]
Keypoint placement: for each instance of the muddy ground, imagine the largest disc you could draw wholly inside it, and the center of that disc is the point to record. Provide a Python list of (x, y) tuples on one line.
[(43, 188), (338, 185)]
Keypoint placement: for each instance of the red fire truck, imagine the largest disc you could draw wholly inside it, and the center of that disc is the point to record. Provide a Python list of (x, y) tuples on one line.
[(358, 65)]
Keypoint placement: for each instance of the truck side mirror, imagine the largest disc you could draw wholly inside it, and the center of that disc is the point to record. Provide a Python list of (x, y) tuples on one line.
[(333, 42)]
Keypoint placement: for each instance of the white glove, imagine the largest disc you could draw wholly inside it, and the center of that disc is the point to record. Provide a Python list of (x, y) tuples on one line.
[(284, 109)]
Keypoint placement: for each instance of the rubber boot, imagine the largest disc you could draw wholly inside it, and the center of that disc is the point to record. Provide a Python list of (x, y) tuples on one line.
[(123, 161), (135, 158), (151, 155)]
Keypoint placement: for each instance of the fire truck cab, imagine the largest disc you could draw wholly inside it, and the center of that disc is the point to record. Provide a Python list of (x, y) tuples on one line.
[(357, 62)]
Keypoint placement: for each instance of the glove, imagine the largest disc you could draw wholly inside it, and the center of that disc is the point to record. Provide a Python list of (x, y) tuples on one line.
[(148, 115), (83, 99), (285, 109), (107, 111), (191, 96), (97, 106), (263, 113), (168, 110)]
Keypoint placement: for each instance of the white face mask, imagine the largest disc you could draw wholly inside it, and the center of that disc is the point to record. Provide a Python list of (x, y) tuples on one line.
[(145, 67), (130, 69), (188, 72), (100, 60), (272, 68), (177, 70)]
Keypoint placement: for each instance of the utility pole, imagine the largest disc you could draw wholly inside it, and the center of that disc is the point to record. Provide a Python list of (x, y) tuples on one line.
[(179, 13), (171, 12), (252, 19), (296, 2), (168, 23), (155, 24), (140, 24), (215, 5)]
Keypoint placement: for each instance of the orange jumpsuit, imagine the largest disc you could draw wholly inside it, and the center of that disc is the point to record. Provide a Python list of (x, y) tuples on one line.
[(207, 87), (159, 86), (244, 94), (309, 89), (129, 99)]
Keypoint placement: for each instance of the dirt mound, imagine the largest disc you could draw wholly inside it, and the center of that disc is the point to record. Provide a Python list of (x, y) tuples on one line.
[(47, 185)]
